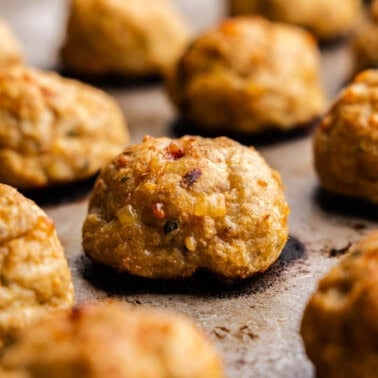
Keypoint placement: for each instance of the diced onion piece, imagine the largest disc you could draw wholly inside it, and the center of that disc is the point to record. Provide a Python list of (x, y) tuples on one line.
[(127, 215), (190, 243), (213, 205)]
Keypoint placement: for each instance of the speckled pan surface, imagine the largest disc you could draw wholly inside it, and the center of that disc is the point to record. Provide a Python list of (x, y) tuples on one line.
[(254, 324)]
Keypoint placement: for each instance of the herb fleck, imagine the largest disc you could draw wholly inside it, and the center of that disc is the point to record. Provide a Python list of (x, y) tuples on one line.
[(170, 226), (72, 133), (123, 179)]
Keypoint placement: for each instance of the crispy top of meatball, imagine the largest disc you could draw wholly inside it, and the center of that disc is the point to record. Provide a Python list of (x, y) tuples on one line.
[(345, 143), (54, 130), (326, 19), (129, 38), (249, 75), (10, 47), (340, 327), (34, 276), (110, 339), (166, 207)]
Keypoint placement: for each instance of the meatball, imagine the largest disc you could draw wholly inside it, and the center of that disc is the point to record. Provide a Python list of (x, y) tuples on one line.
[(249, 75), (326, 19), (34, 276), (113, 340), (346, 141), (130, 38), (10, 47), (339, 326), (165, 208), (365, 42), (54, 130)]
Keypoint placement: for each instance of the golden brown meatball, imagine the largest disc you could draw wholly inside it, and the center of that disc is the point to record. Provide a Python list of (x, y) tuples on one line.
[(326, 19), (34, 276), (113, 340), (339, 326), (129, 38), (249, 75), (365, 42), (10, 48), (346, 141), (165, 208), (54, 130)]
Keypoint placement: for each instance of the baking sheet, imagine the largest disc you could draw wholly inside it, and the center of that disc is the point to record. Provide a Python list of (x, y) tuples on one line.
[(253, 324)]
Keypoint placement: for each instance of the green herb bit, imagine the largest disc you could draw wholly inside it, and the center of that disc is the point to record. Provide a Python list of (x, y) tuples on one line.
[(72, 133), (170, 226), (123, 179)]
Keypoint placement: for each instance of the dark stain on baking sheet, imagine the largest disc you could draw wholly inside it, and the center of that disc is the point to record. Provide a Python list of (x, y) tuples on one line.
[(113, 81), (243, 333), (61, 194), (202, 283), (335, 252), (345, 206), (182, 127)]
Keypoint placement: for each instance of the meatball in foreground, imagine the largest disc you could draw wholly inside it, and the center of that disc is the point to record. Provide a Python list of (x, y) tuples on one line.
[(10, 47), (326, 19), (339, 326), (130, 38), (249, 75), (34, 274), (165, 208), (54, 130), (346, 141), (113, 340)]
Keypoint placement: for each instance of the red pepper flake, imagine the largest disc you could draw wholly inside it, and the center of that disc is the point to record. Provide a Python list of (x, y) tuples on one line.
[(121, 161), (174, 151), (158, 211), (191, 177)]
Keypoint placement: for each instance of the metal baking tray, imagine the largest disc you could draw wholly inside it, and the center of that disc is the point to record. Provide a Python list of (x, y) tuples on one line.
[(254, 324)]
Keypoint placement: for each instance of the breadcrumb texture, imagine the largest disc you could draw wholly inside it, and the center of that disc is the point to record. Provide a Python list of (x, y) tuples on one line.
[(10, 47), (365, 42), (345, 143), (326, 19), (113, 340), (129, 38), (34, 276), (165, 208), (339, 326), (249, 75), (54, 130)]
